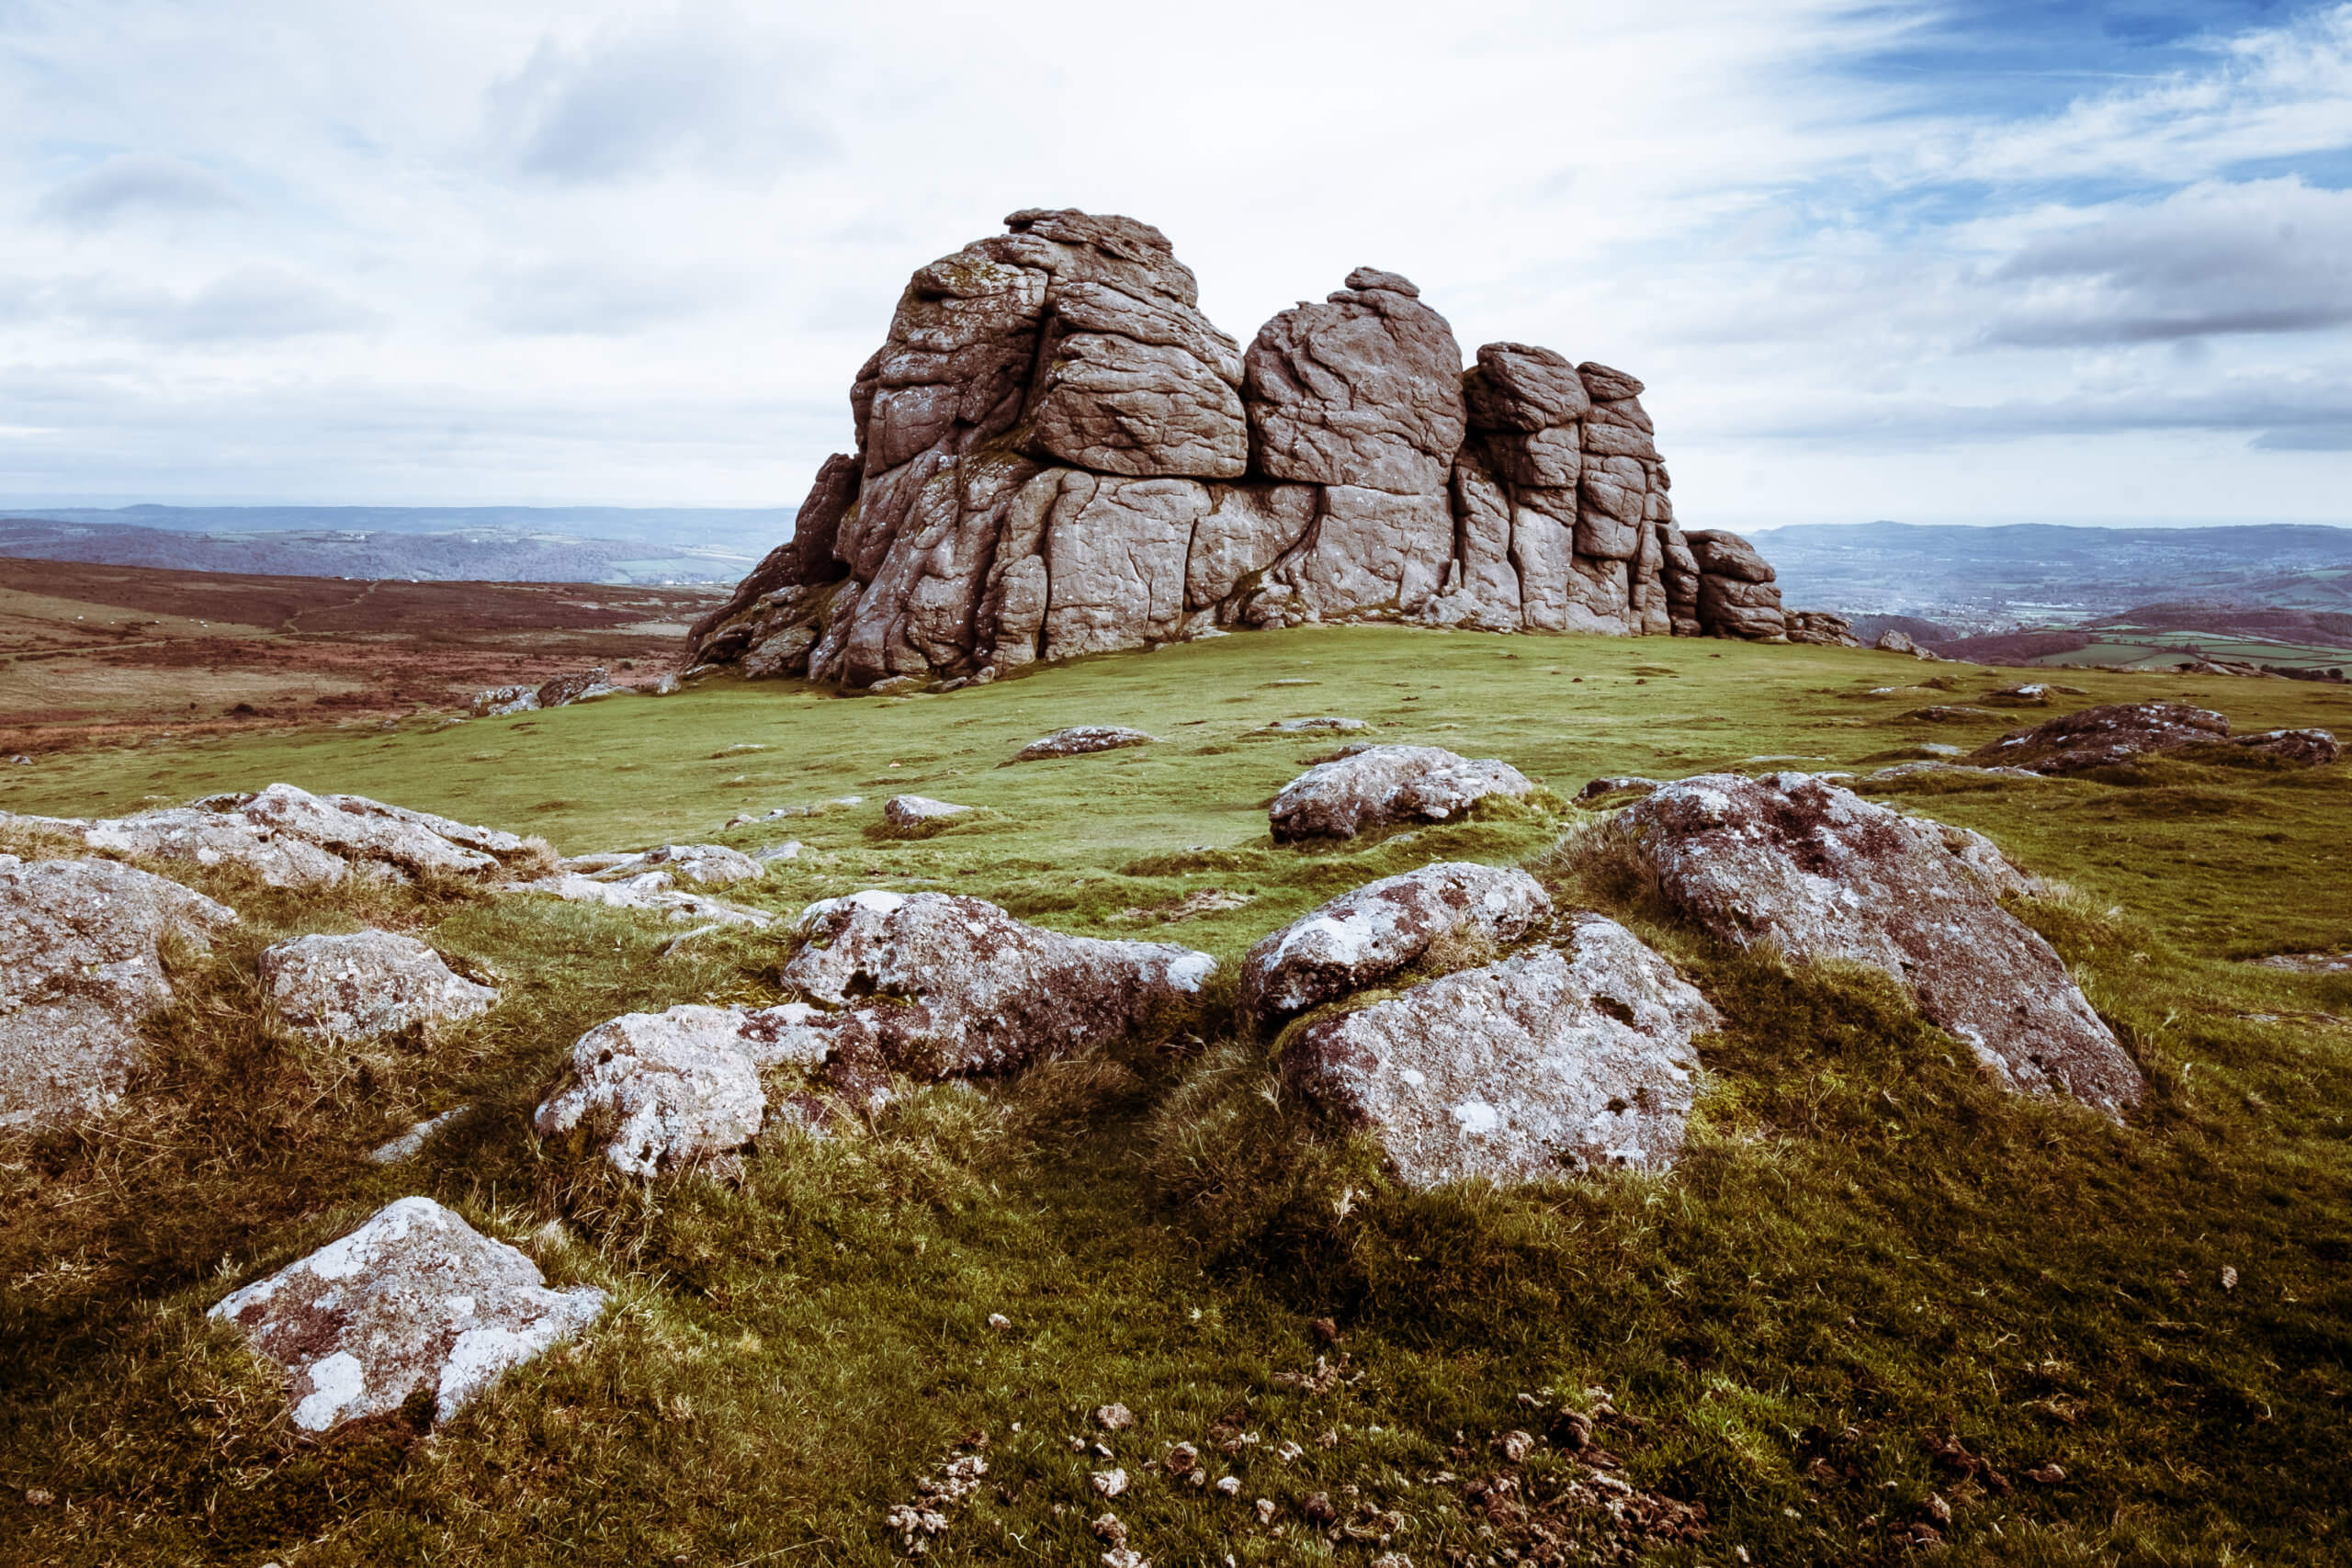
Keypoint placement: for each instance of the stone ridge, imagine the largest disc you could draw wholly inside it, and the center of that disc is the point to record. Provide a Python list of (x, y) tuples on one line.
[(1058, 455)]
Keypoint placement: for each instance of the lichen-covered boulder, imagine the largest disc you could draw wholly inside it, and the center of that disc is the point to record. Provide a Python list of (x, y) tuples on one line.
[(2103, 736), (1561, 1059), (1381, 786), (368, 833), (1450, 913), (2310, 747), (1821, 873), (948, 986), (81, 966), (661, 1091), (193, 836), (1082, 740), (415, 1301), (367, 986)]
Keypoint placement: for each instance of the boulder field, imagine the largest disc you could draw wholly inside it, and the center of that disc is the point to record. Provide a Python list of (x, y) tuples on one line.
[(1057, 454)]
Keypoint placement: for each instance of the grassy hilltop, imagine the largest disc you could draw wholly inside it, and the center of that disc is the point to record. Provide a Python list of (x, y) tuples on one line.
[(1866, 1253)]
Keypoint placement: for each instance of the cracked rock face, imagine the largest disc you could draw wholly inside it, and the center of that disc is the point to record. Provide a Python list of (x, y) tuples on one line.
[(941, 985), (661, 1091), (367, 986), (1057, 454), (415, 1300), (1560, 1059), (81, 967), (1823, 873), (1448, 913), (1381, 786)]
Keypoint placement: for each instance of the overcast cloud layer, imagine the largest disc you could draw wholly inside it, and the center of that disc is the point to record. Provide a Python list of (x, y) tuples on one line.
[(1986, 262)]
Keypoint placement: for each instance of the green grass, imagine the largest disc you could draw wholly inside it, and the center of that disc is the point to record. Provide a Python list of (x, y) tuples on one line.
[(1865, 1247)]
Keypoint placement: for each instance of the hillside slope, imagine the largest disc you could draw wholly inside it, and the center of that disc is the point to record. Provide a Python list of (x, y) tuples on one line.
[(1876, 1295)]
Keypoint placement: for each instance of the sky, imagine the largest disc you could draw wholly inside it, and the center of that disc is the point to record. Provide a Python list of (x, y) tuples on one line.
[(1983, 261)]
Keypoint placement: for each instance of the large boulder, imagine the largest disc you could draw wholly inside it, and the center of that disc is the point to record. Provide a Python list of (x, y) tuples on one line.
[(1822, 873), (367, 986), (1561, 1059), (2112, 733), (1381, 786), (415, 1301), (1445, 914), (948, 986), (661, 1091), (1363, 390), (85, 945)]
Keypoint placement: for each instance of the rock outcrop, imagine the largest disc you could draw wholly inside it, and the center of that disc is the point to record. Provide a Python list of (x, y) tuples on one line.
[(414, 1300), (1442, 914), (81, 967), (1560, 1059), (1082, 740), (1820, 872), (1057, 454), (290, 838), (2113, 733), (368, 986), (1381, 786)]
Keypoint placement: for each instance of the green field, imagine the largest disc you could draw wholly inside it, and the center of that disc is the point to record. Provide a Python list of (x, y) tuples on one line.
[(1866, 1247)]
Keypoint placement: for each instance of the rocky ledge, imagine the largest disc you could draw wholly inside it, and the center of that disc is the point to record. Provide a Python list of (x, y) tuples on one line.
[(1058, 455)]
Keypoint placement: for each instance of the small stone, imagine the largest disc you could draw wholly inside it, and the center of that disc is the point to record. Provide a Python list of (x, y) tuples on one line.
[(1110, 1529), (1265, 1510), (1229, 1484), (1318, 1510), (2046, 1475), (917, 813), (1001, 1322), (1182, 1459), (1082, 740), (1937, 1509), (1110, 1482), (2229, 1278), (1392, 1559), (1515, 1446), (1287, 1451)]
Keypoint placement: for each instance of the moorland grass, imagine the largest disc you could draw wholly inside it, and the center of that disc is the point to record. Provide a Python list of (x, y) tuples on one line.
[(1865, 1247)]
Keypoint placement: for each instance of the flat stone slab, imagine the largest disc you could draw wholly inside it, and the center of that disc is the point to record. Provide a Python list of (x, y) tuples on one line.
[(415, 1300), (1082, 740), (913, 813), (1559, 1060)]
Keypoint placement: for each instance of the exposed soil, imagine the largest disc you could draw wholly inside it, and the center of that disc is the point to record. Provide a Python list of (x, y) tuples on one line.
[(92, 654)]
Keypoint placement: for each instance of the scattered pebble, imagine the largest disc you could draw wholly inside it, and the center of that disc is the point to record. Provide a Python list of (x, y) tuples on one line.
[(1265, 1510), (1229, 1484), (1515, 1445), (1113, 1417), (1182, 1459), (1001, 1322), (1111, 1531), (1110, 1482), (2229, 1278), (1287, 1451)]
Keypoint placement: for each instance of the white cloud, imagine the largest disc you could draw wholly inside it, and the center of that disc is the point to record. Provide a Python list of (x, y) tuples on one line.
[(630, 251), (135, 184)]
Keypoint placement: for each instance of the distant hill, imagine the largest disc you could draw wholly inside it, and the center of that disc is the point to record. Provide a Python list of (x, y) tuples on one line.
[(2043, 574), (470, 553), (746, 530)]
